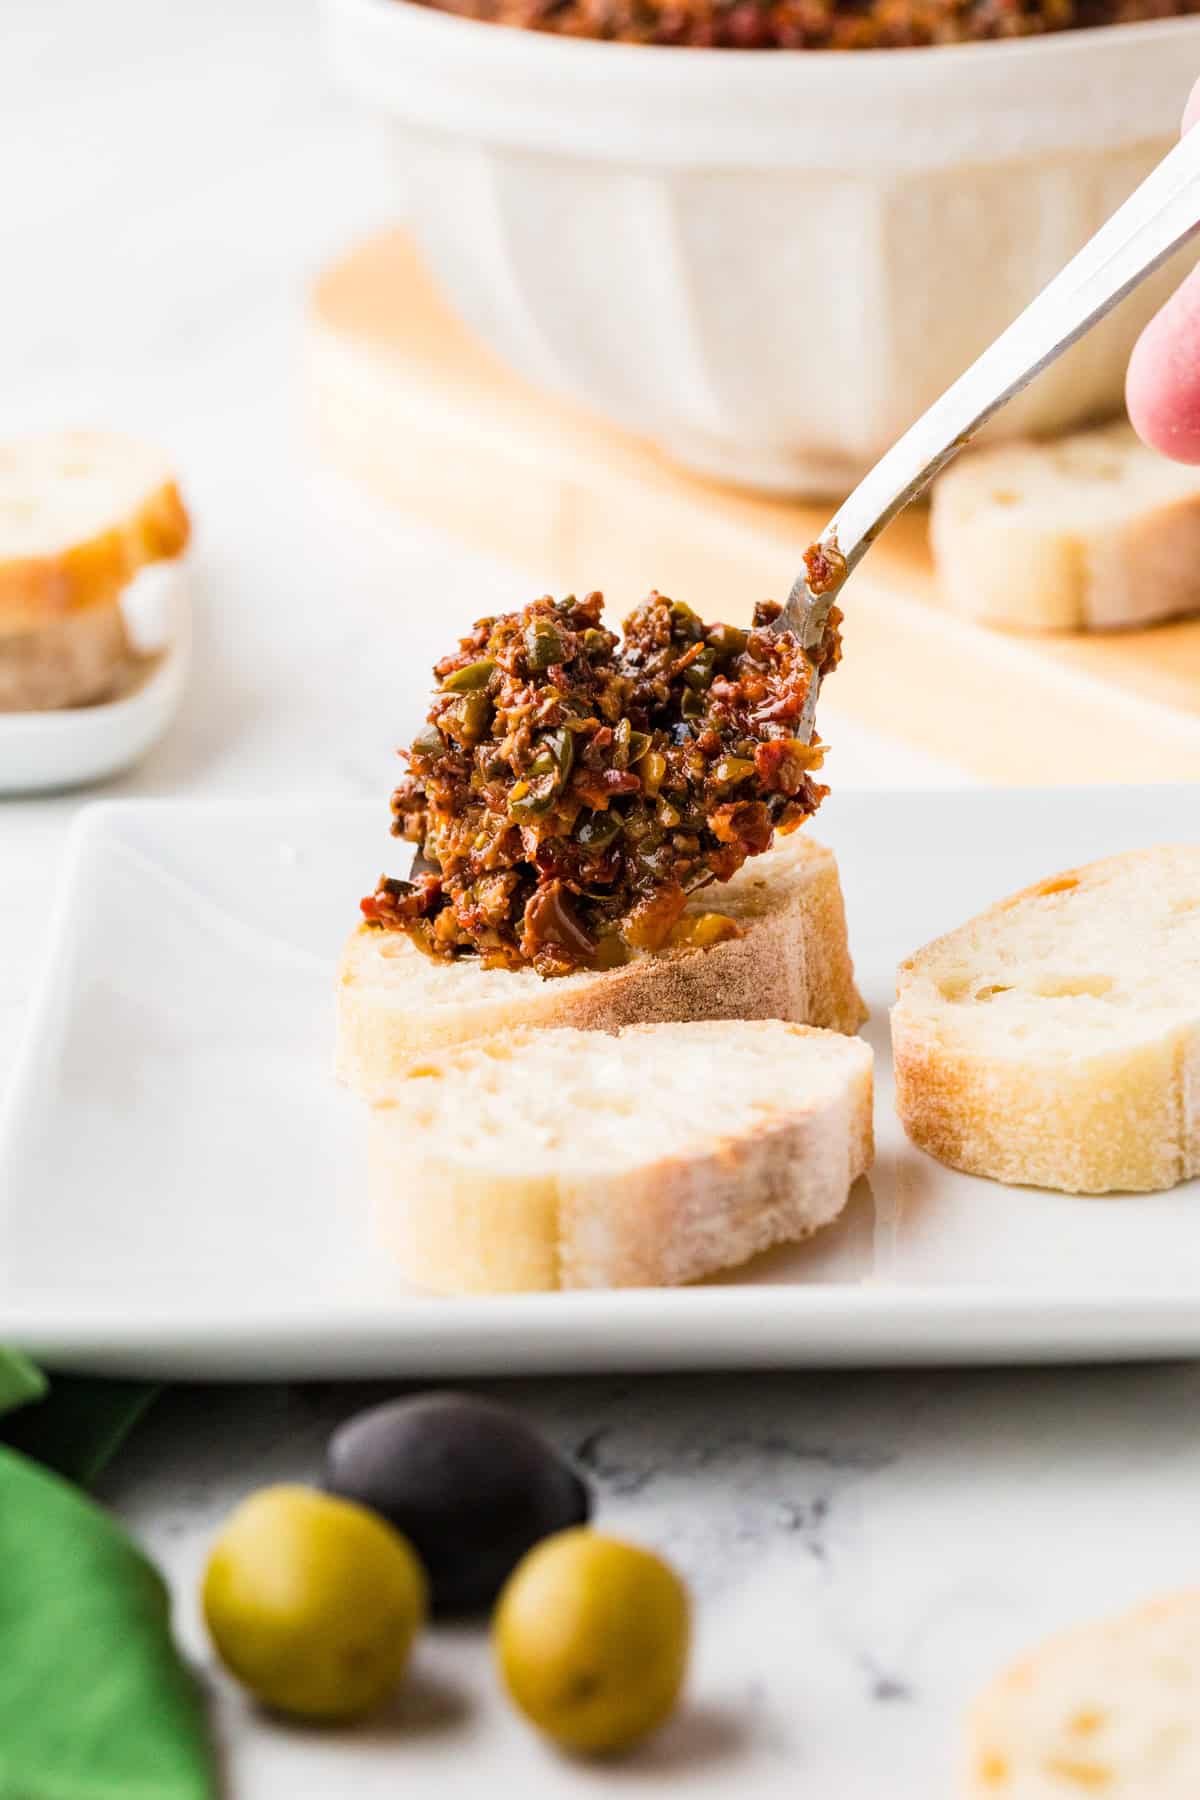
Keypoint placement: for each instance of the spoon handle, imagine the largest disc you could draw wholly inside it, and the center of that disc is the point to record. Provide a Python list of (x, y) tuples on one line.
[(1159, 217)]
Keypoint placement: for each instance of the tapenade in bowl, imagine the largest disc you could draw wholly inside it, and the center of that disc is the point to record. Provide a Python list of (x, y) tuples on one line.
[(807, 24), (769, 263)]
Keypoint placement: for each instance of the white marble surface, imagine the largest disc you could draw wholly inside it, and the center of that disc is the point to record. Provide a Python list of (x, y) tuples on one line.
[(863, 1549)]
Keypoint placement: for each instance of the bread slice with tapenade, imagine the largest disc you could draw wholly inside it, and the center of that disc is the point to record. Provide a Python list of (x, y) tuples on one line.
[(1055, 1040), (572, 1159), (1090, 533), (80, 514), (790, 960), (1111, 1709)]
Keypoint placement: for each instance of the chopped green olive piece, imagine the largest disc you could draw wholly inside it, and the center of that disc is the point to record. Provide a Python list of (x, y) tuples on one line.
[(630, 746), (653, 855), (691, 703), (534, 802), (467, 680), (688, 622), (469, 718), (728, 641), (699, 672), (732, 769), (595, 642), (610, 952), (544, 645), (562, 748), (548, 775), (652, 767), (429, 742), (598, 829)]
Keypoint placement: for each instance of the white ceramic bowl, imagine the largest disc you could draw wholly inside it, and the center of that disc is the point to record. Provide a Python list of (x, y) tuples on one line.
[(44, 751), (769, 261)]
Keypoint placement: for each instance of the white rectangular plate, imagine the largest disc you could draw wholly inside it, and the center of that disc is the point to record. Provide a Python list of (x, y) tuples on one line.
[(181, 1187)]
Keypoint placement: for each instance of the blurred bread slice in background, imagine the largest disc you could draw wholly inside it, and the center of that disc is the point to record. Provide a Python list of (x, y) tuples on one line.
[(1110, 1709), (80, 514), (1092, 532)]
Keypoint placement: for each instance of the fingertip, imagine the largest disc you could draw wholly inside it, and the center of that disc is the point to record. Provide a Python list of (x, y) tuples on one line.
[(1191, 112), (1162, 386)]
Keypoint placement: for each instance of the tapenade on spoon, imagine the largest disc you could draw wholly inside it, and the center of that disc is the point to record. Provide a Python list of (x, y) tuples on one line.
[(571, 788)]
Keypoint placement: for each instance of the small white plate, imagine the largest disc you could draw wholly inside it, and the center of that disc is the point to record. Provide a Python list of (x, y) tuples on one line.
[(42, 751), (181, 1187)]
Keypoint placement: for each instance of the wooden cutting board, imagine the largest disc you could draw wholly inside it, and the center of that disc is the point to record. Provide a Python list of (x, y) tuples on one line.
[(404, 399)]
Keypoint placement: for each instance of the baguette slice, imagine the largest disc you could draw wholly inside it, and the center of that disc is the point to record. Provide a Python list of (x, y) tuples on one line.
[(1055, 1040), (1111, 1709), (66, 662), (80, 514), (1091, 533), (792, 962), (580, 1159)]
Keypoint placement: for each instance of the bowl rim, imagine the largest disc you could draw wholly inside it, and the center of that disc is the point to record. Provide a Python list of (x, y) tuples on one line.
[(412, 14), (832, 113)]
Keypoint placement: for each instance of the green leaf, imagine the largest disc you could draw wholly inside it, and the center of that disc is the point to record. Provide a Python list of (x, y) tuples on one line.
[(20, 1382), (80, 1425), (95, 1703)]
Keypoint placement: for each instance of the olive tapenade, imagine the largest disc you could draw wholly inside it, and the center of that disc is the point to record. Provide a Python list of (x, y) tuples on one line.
[(571, 790), (809, 24)]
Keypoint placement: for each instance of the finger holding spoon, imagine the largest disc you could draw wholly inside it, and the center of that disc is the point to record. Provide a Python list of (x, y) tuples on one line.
[(1163, 383)]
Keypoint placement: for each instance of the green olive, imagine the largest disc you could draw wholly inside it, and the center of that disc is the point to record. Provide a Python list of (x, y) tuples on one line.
[(469, 679), (546, 777), (596, 830), (728, 641), (685, 622), (591, 1636), (468, 719), (429, 742), (313, 1602), (544, 644), (699, 672), (729, 770)]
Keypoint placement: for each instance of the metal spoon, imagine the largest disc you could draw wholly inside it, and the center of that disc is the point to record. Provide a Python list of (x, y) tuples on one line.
[(1157, 219)]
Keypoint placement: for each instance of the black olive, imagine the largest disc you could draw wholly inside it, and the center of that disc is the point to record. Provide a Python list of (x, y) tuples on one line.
[(468, 1482)]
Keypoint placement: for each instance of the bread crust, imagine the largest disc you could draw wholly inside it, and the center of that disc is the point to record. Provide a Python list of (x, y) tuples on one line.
[(1089, 533), (1106, 1125), (1107, 1117), (456, 1228), (793, 962), (50, 584)]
